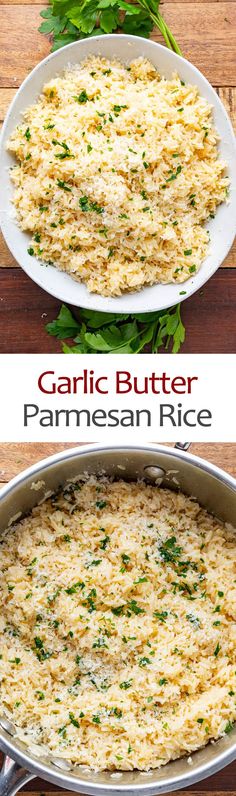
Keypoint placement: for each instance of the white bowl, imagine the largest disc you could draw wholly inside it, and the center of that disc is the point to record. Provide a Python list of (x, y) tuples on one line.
[(222, 227)]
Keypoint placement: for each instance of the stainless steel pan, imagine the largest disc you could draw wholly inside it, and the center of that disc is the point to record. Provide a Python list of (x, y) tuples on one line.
[(216, 491)]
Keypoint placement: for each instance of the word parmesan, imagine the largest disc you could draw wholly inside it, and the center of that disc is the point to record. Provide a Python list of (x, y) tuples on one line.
[(165, 415)]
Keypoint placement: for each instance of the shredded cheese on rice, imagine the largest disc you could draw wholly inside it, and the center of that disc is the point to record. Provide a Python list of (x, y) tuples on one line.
[(118, 635), (117, 172)]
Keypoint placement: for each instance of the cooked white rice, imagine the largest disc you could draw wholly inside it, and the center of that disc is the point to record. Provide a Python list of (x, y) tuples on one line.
[(118, 642), (118, 171)]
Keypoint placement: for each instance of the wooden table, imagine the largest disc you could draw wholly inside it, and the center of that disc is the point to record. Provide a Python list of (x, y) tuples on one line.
[(14, 458), (206, 32)]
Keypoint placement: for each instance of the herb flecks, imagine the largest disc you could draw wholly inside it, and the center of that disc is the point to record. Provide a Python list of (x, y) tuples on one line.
[(87, 206)]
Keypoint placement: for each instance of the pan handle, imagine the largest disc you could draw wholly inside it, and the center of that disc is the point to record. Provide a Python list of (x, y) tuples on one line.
[(12, 777), (182, 446)]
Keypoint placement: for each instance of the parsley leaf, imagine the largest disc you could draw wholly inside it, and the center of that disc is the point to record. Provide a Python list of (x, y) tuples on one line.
[(68, 20), (127, 334)]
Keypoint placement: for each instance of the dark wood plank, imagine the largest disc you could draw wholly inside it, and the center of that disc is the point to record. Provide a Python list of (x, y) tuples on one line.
[(218, 785), (209, 315), (24, 311)]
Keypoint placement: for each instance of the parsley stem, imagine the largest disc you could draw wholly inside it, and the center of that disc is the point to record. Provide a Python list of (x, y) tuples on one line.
[(163, 27)]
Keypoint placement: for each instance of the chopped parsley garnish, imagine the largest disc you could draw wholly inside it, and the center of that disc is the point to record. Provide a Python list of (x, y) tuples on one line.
[(27, 134), (62, 731), (66, 153), (117, 108), (30, 251), (100, 643), (82, 97), (73, 720), (217, 649), (144, 661), (228, 726), (194, 620), (38, 643), (42, 655), (104, 542), (96, 720), (59, 143), (163, 681), (101, 504), (118, 611), (40, 695), (62, 184), (133, 608), (86, 205), (116, 712), (169, 551), (187, 252), (173, 176), (161, 615), (90, 601), (126, 684), (125, 558), (74, 588)]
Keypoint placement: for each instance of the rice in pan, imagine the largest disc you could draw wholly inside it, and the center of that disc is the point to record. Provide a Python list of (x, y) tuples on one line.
[(117, 618)]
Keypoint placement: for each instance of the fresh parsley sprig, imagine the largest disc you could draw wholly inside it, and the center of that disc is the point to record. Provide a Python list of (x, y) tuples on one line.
[(69, 20), (102, 333)]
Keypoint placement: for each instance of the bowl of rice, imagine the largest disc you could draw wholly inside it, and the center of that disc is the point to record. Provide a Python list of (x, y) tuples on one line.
[(119, 177)]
